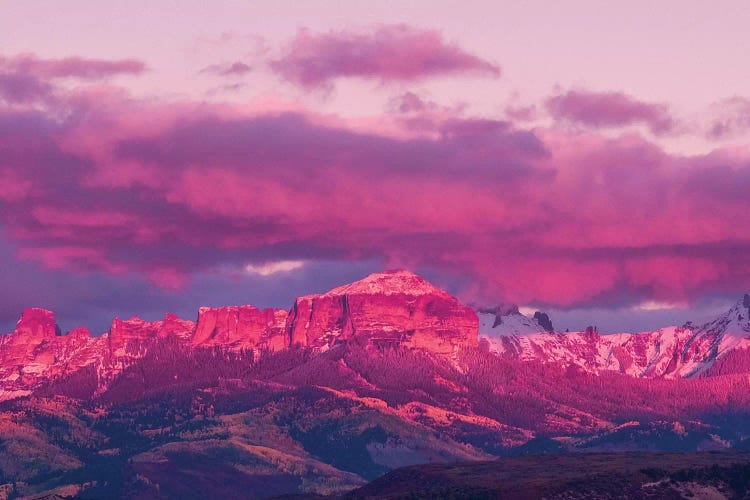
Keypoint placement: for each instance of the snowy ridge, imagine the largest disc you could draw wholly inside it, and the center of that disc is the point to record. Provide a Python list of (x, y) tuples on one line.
[(670, 352), (514, 323)]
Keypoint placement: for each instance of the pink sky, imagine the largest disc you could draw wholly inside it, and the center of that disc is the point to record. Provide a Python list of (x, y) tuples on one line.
[(569, 155)]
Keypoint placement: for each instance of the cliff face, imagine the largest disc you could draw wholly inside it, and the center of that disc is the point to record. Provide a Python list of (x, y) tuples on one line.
[(30, 346), (384, 309), (35, 351), (242, 327), (35, 326), (125, 336)]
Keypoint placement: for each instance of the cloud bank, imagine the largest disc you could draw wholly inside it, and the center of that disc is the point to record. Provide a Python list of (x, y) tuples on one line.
[(98, 181)]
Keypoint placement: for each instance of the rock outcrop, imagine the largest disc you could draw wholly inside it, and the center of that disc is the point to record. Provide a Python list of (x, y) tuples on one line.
[(127, 335), (26, 345), (241, 327), (35, 326), (36, 351), (544, 321), (173, 325)]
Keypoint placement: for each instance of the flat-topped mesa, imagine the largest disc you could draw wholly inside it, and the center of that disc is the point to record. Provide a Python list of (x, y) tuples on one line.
[(243, 327), (384, 309)]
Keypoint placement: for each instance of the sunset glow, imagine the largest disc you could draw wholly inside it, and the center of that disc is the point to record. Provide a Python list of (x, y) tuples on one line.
[(374, 249), (374, 141)]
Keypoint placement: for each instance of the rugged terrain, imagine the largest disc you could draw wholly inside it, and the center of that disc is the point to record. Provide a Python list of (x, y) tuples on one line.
[(347, 385)]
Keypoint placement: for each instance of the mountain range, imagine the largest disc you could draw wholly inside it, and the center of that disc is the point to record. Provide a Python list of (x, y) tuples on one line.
[(386, 372)]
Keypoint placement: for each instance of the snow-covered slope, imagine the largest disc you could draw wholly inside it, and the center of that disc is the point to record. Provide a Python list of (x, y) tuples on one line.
[(670, 352), (497, 322)]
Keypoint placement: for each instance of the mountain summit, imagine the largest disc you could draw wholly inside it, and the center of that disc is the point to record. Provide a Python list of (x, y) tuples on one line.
[(384, 309), (394, 282)]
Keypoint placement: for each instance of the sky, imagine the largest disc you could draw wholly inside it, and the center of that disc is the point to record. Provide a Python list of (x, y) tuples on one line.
[(584, 158)]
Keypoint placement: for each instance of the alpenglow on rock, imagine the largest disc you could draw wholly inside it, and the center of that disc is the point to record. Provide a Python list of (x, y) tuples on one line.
[(384, 309), (242, 327), (35, 326)]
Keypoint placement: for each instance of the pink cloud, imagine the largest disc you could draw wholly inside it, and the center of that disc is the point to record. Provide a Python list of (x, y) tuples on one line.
[(237, 68), (26, 79), (389, 53), (732, 117), (13, 186), (415, 116), (69, 67), (521, 113), (22, 88), (570, 218), (609, 109), (409, 102)]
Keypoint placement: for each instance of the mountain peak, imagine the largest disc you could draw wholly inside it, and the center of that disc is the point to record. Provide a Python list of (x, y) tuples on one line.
[(506, 320), (37, 323), (735, 320), (393, 282), (384, 310)]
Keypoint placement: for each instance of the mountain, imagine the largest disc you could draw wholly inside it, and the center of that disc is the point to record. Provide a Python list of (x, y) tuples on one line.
[(394, 308), (36, 351), (385, 309), (383, 373), (507, 321), (670, 352)]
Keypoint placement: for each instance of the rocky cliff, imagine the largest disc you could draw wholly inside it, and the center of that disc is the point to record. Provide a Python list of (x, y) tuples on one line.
[(384, 309)]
